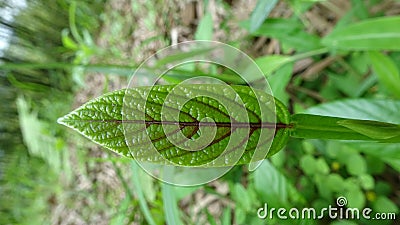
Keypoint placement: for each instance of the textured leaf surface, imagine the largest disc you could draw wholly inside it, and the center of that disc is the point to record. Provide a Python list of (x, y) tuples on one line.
[(138, 121)]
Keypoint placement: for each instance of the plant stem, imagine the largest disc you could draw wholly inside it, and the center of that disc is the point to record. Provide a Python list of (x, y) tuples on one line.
[(308, 54), (72, 22)]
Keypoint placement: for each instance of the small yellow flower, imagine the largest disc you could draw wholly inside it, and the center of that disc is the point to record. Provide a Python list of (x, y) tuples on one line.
[(335, 166), (370, 195)]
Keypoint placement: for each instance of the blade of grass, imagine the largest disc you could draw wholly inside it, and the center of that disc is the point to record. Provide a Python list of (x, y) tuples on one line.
[(72, 22), (142, 201), (170, 203), (260, 13), (205, 28)]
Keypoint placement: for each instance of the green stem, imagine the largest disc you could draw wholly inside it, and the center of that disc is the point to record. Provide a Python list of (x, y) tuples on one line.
[(72, 22), (59, 65), (308, 54), (117, 69)]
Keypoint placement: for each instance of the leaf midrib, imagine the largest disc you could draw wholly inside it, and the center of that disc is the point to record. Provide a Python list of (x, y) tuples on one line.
[(251, 125)]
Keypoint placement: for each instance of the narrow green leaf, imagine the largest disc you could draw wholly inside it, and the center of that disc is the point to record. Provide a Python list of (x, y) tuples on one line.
[(171, 209), (269, 64), (271, 185), (123, 208), (294, 36), (261, 12), (101, 120), (226, 217), (205, 28), (241, 196), (272, 26), (183, 55), (322, 127), (141, 193), (279, 80), (361, 109), (372, 34), (372, 129), (387, 72)]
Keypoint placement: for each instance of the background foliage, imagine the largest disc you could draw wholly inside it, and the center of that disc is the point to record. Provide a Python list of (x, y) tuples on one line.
[(321, 57)]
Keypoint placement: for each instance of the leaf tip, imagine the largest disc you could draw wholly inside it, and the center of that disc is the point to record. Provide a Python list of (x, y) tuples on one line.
[(61, 120)]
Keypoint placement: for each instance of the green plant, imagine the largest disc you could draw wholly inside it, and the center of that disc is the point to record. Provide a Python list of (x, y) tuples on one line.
[(296, 177), (313, 70), (102, 121)]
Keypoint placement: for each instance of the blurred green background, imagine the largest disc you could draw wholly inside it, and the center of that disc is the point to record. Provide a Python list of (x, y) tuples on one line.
[(58, 54)]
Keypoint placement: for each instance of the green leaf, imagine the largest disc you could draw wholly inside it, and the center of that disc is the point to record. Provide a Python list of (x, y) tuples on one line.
[(387, 72), (372, 129), (205, 28), (335, 182), (294, 36), (366, 181), (269, 64), (385, 111), (183, 55), (34, 135), (362, 109), (322, 166), (308, 164), (322, 127), (356, 164), (240, 215), (141, 192), (261, 12), (385, 205), (272, 26), (171, 210), (355, 198), (101, 121), (122, 212), (241, 196), (388, 153), (343, 222), (271, 185), (279, 80), (372, 34), (226, 216)]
